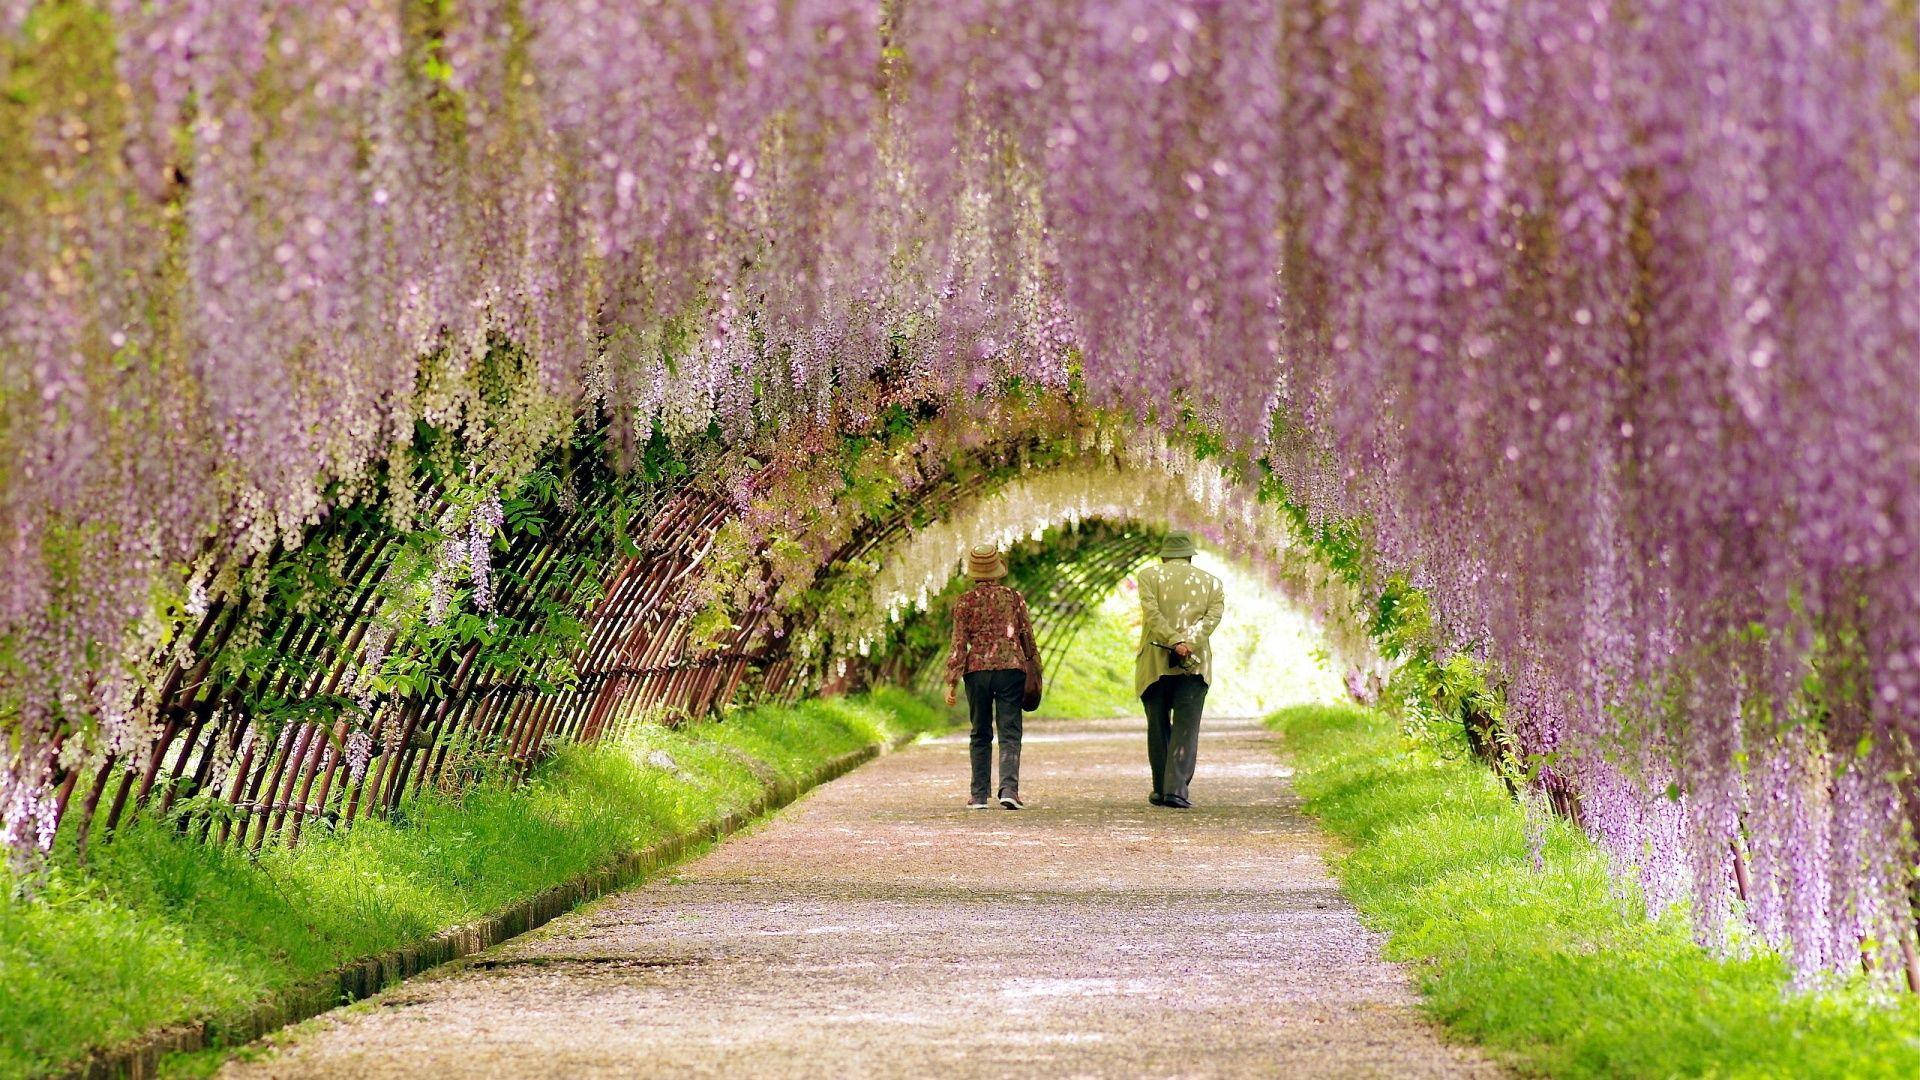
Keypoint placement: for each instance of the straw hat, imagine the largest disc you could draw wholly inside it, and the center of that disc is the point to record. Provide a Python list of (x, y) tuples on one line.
[(984, 563), (1176, 545)]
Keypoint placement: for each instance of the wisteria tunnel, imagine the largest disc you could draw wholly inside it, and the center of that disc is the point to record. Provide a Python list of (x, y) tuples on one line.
[(458, 457), (607, 571)]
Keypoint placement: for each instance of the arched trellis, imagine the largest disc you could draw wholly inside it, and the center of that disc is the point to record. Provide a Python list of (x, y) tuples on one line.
[(1063, 574), (247, 757), (1073, 533), (1065, 589), (273, 715), (279, 772)]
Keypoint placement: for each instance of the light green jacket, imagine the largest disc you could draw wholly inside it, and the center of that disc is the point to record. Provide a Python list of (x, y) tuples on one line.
[(1178, 602)]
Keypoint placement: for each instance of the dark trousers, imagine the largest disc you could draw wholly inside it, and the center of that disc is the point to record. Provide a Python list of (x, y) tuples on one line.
[(1173, 706), (993, 698)]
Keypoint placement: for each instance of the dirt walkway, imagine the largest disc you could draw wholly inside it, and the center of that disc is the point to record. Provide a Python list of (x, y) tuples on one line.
[(879, 928)]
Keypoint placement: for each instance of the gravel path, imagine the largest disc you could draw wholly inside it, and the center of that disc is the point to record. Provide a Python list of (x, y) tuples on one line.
[(879, 928)]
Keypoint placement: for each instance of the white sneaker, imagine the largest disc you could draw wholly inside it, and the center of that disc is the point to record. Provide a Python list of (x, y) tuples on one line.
[(1012, 802)]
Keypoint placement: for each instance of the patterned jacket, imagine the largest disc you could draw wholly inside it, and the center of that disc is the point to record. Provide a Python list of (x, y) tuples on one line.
[(1178, 602), (991, 631)]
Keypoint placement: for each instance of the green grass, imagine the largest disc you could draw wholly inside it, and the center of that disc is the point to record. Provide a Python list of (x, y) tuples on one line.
[(159, 929), (1095, 677), (1547, 967)]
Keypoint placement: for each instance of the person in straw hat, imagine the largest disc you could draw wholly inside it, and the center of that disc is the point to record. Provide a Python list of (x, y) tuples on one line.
[(992, 647), (1180, 608)]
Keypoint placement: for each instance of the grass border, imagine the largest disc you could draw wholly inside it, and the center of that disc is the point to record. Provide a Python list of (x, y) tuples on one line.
[(140, 1058), (1535, 952)]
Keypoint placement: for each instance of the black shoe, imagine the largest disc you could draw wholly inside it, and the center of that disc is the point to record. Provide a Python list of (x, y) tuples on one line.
[(1156, 799), (1173, 802)]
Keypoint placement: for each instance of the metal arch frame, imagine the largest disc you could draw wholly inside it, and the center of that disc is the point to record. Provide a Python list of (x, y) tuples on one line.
[(636, 660), (1061, 574), (1074, 584)]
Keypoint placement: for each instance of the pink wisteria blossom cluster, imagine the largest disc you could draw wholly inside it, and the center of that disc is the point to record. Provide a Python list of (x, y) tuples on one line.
[(1605, 319)]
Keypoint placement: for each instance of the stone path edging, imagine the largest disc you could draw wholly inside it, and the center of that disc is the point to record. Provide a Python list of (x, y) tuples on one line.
[(139, 1059)]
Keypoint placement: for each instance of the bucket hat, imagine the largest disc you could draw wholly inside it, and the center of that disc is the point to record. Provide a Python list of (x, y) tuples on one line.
[(1176, 545), (984, 563)]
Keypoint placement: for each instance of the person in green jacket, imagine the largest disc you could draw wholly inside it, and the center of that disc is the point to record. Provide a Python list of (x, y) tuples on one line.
[(1180, 608)]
